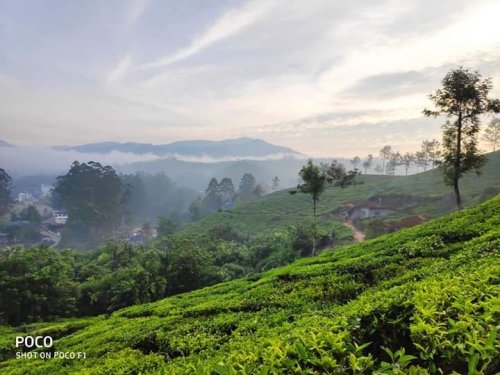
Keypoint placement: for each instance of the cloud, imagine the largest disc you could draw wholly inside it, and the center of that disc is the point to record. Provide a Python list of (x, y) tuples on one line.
[(120, 69), (22, 161), (230, 23), (275, 69), (135, 10)]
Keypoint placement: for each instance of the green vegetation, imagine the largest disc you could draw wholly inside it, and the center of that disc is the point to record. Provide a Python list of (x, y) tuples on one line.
[(315, 179), (463, 99), (5, 191), (421, 194), (423, 300)]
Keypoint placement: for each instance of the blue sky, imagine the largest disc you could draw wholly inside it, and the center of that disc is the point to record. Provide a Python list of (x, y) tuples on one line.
[(328, 78)]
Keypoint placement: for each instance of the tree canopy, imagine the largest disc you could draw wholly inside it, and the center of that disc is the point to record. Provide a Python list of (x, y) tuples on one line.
[(462, 99)]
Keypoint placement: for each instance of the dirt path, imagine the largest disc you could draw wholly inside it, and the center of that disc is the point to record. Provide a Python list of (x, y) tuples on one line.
[(356, 233)]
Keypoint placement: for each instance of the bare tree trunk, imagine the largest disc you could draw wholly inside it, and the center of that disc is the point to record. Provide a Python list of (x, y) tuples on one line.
[(456, 172)]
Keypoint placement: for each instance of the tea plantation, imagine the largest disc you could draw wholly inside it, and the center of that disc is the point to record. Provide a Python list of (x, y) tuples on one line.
[(425, 300)]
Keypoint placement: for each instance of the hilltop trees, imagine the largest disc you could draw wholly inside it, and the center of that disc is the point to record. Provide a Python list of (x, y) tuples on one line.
[(315, 179), (247, 187), (406, 161), (275, 183), (5, 197), (430, 152), (355, 162), (385, 153), (367, 163), (92, 195), (462, 99), (492, 133)]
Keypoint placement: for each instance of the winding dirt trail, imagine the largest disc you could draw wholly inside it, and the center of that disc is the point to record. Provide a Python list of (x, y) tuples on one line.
[(356, 233)]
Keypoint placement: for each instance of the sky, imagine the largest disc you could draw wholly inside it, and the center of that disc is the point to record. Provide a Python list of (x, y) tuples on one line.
[(326, 78)]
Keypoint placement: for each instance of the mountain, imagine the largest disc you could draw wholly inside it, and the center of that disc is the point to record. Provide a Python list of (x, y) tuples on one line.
[(423, 300), (239, 147), (5, 144)]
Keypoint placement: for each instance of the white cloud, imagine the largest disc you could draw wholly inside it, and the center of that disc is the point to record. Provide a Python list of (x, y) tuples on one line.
[(135, 10), (121, 68), (230, 23)]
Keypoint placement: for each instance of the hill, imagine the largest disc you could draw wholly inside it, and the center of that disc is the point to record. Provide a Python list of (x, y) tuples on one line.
[(421, 300), (239, 147), (419, 194)]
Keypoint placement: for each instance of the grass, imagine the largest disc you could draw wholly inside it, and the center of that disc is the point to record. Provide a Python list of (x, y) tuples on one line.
[(279, 210), (422, 300)]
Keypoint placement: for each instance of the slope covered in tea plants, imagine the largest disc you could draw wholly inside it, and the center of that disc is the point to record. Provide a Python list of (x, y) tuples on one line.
[(423, 300), (419, 194)]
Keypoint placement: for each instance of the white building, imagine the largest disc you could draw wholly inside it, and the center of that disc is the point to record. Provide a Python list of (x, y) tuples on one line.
[(24, 197), (46, 190), (60, 217)]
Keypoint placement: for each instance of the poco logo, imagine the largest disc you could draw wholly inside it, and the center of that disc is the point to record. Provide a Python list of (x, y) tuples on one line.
[(34, 341)]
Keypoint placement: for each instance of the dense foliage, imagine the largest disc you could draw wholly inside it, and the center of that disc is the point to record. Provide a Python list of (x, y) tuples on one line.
[(42, 283), (5, 191), (92, 196), (423, 300), (463, 98)]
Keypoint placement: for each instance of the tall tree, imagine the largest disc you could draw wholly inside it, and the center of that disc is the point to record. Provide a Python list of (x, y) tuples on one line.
[(430, 152), (5, 192), (492, 133), (212, 200), (407, 161), (92, 195), (247, 186), (367, 163), (420, 160), (385, 153), (226, 189), (395, 159), (315, 179), (463, 98)]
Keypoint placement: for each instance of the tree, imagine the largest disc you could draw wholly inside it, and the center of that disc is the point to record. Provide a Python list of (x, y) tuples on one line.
[(463, 98), (420, 160), (355, 162), (212, 200), (5, 192), (315, 179), (430, 152), (492, 133), (92, 195), (385, 153), (394, 161), (276, 183), (406, 161), (226, 190), (259, 190), (313, 182), (247, 186), (368, 162)]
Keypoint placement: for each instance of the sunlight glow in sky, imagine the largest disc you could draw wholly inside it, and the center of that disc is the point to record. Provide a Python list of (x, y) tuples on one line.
[(324, 77)]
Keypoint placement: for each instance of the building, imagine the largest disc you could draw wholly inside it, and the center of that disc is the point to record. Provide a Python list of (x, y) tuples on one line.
[(46, 190), (24, 197), (60, 217), (359, 210)]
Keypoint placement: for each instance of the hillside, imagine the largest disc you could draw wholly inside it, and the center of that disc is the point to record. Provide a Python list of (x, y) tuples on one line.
[(421, 300), (419, 194), (242, 147)]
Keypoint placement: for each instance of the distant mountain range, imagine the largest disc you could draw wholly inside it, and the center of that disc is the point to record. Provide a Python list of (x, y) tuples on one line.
[(239, 147), (5, 144)]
